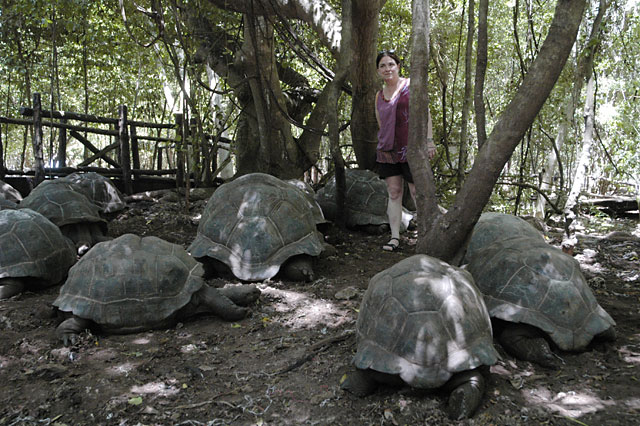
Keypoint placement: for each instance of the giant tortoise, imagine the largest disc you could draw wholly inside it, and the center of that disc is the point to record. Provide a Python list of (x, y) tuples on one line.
[(134, 283), (98, 189), (77, 217), (255, 226), (493, 226), (366, 200), (537, 294), (423, 322), (33, 252)]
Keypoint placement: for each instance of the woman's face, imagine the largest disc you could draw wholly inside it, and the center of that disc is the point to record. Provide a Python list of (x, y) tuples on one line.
[(388, 68)]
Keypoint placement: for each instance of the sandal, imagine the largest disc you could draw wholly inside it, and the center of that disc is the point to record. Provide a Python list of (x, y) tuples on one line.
[(392, 245)]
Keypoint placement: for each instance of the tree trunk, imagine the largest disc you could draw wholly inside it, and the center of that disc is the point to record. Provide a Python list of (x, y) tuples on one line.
[(481, 69), (585, 64), (418, 113), (581, 169), (466, 105), (452, 229), (342, 70), (365, 82)]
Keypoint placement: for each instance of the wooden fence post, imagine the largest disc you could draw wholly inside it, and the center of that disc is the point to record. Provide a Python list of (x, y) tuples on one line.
[(135, 153), (62, 148), (3, 169), (160, 149), (125, 161), (180, 150), (37, 140)]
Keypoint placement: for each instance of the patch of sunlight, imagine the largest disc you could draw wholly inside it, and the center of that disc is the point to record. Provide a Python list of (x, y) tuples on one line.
[(188, 348), (633, 403), (122, 369), (157, 388), (303, 310), (141, 341), (570, 403), (630, 354), (103, 354)]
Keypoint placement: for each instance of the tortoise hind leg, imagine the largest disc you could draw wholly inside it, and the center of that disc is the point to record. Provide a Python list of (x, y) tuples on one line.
[(213, 300), (467, 389), (298, 268), (10, 287), (359, 382), (243, 295), (69, 329), (526, 343)]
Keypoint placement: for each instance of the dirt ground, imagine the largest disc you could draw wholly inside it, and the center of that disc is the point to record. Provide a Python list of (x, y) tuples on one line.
[(282, 365)]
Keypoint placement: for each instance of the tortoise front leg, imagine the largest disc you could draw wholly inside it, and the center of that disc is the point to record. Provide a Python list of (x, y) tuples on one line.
[(467, 389), (69, 329), (10, 287), (526, 343), (213, 300), (242, 295)]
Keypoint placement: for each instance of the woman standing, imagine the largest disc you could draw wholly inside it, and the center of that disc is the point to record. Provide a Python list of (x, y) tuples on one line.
[(392, 113)]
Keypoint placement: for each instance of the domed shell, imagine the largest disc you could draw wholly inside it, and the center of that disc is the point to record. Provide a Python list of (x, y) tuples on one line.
[(493, 227), (61, 204), (31, 246), (131, 283), (365, 198), (98, 189), (528, 281), (9, 193), (255, 223), (423, 320)]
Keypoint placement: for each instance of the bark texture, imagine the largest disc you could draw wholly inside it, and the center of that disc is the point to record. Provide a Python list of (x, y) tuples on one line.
[(452, 229)]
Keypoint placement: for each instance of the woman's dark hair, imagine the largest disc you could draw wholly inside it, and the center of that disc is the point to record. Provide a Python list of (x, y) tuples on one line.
[(390, 53)]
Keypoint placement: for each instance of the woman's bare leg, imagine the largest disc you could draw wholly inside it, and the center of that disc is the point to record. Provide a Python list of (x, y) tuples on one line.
[(394, 205)]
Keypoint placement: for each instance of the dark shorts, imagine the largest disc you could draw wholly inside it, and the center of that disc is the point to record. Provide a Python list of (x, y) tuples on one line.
[(386, 170)]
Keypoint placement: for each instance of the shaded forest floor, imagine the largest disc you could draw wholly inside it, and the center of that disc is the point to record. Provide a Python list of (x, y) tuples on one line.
[(282, 365)]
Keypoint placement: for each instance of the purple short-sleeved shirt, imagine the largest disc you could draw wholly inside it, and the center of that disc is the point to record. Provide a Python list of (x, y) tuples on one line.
[(393, 135)]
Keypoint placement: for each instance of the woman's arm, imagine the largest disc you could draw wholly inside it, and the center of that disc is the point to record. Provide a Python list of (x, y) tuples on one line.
[(375, 107)]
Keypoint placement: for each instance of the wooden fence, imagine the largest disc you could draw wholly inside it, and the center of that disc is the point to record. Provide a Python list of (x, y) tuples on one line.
[(125, 164)]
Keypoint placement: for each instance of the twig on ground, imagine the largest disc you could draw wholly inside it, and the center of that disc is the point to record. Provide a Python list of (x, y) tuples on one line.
[(316, 349)]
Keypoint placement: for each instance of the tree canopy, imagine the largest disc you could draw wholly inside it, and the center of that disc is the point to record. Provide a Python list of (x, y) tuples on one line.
[(259, 72)]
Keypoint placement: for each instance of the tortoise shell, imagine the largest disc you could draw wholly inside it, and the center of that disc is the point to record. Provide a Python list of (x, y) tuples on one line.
[(61, 204), (131, 283), (9, 193), (253, 224), (98, 189), (425, 321), (493, 226), (525, 280), (33, 247), (365, 198)]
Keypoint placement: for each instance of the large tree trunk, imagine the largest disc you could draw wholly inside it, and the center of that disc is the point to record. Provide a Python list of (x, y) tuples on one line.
[(451, 229), (365, 82)]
